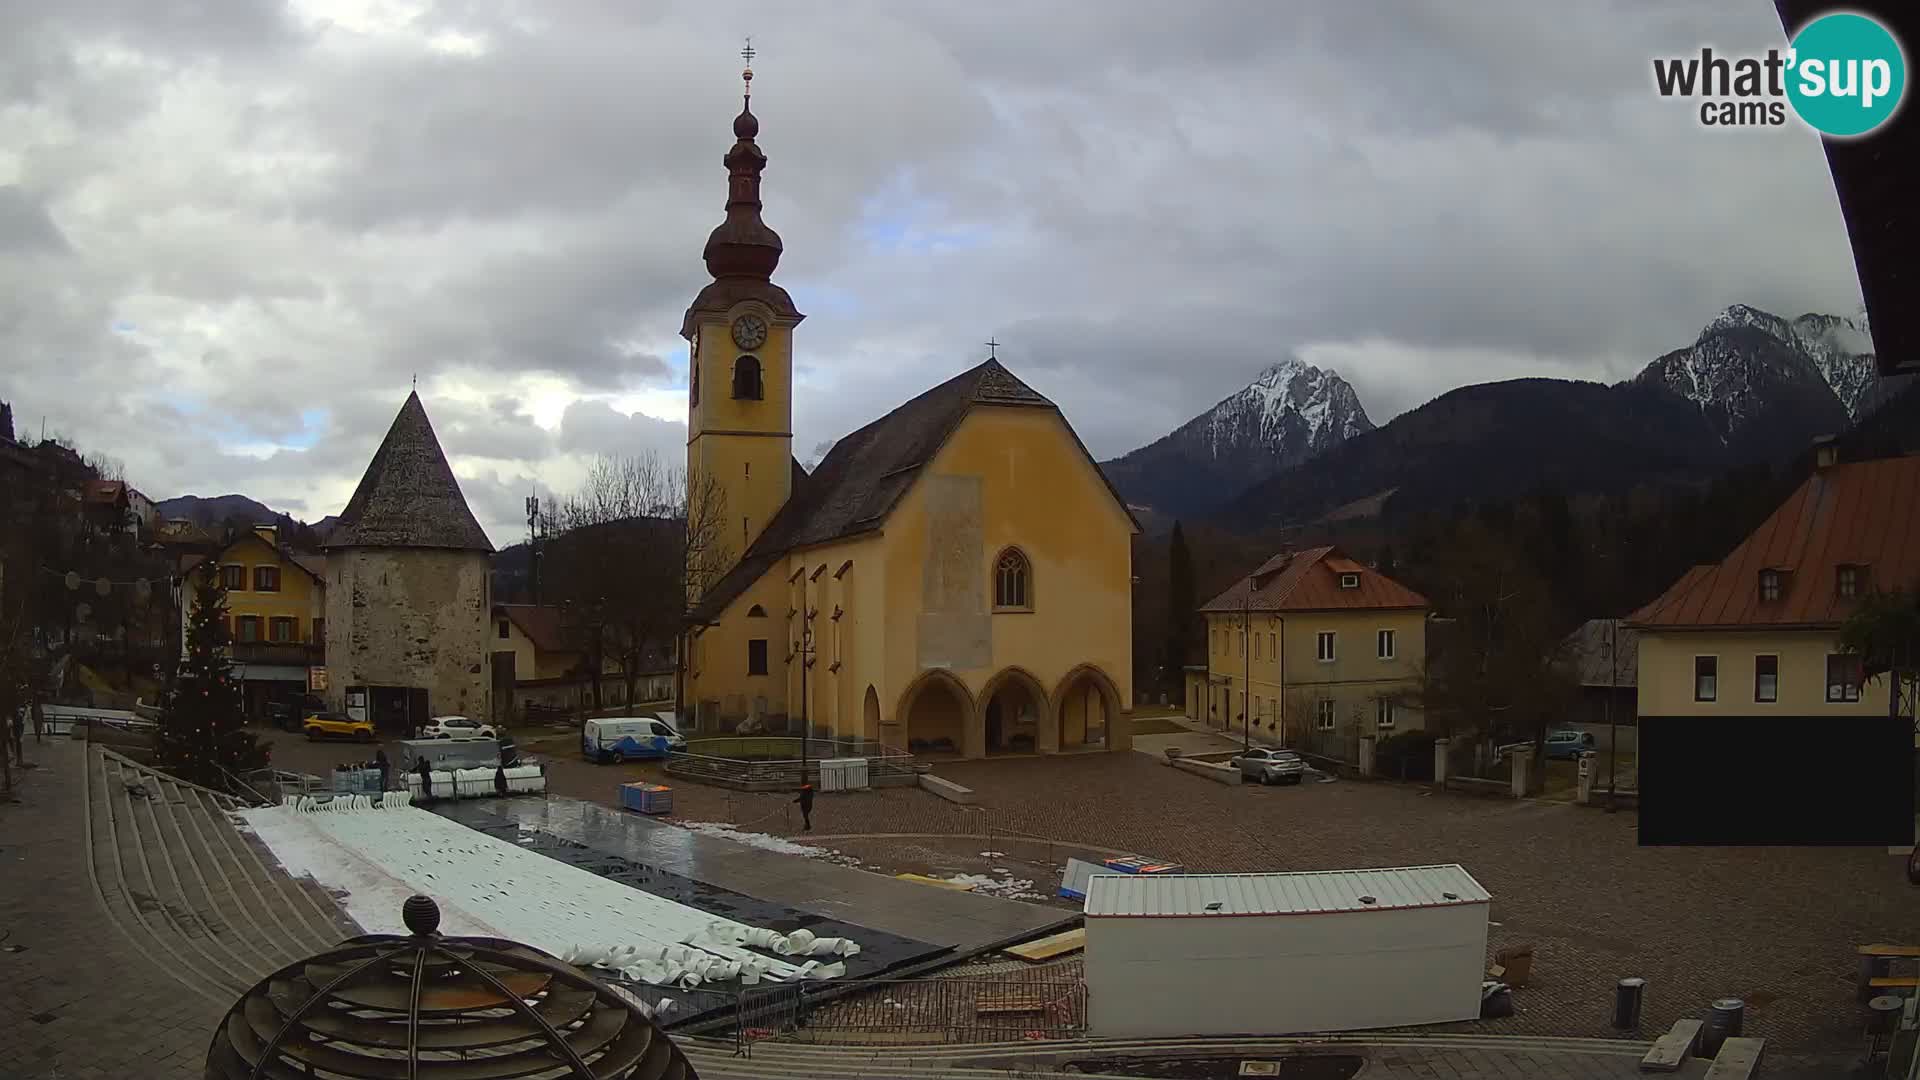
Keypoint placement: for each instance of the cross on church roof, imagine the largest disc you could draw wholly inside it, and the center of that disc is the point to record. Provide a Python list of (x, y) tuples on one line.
[(993, 350), (747, 75)]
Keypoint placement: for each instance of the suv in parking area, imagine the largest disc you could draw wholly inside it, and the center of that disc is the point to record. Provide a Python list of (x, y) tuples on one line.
[(333, 725), (1265, 766), (456, 727), (1562, 745)]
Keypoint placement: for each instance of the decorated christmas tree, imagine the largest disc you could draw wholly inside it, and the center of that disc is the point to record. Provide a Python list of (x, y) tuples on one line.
[(200, 731)]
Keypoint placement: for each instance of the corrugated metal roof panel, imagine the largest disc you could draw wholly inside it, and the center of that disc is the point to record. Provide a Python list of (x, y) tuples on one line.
[(1200, 895)]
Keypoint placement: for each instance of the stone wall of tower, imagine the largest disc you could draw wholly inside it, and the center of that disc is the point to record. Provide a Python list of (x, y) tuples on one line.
[(415, 617)]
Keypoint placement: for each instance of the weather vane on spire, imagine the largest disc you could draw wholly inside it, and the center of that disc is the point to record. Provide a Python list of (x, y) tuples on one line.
[(747, 75)]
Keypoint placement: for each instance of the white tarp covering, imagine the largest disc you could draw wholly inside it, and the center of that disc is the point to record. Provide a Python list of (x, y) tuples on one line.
[(381, 851)]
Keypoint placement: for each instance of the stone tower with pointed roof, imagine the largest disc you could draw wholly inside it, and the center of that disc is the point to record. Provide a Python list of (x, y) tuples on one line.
[(953, 578), (408, 590)]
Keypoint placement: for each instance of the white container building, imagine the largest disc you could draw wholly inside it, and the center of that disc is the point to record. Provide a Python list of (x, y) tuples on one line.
[(1280, 954)]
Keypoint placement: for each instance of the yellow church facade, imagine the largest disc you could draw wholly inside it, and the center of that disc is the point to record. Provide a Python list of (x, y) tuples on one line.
[(953, 578)]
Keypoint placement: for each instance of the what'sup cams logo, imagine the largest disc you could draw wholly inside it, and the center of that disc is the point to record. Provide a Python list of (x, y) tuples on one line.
[(1843, 75)]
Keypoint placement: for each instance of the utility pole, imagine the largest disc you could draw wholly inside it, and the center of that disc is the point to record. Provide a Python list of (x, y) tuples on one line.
[(533, 546), (1246, 667)]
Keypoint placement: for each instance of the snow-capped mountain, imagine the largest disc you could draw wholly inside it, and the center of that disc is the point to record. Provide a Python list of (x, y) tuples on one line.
[(1289, 413), (1747, 362)]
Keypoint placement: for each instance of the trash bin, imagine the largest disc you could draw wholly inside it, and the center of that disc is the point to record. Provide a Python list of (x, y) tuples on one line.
[(1629, 995), (1723, 1023)]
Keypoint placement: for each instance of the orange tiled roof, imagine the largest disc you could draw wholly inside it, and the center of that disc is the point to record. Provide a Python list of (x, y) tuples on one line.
[(1864, 514), (1310, 581)]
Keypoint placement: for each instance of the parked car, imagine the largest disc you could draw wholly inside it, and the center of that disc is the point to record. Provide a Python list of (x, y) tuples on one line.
[(1563, 745), (1270, 766), (334, 725), (456, 727)]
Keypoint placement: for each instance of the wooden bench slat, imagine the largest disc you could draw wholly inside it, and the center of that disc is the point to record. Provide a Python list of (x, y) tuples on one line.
[(1670, 1051), (1738, 1059), (1890, 950), (1892, 983)]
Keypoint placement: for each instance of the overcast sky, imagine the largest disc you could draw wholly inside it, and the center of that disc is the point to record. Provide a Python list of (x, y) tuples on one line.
[(231, 231)]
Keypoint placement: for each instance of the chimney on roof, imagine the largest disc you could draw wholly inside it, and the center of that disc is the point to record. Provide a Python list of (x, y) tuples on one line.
[(1826, 452)]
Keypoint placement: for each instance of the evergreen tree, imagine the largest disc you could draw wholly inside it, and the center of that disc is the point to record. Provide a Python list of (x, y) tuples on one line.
[(200, 731), (1180, 609)]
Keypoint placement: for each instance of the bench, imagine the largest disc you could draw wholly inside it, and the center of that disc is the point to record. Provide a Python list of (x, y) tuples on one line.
[(1670, 1051), (1876, 968), (1738, 1059), (947, 789)]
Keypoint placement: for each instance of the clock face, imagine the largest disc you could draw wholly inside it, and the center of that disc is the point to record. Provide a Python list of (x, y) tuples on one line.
[(749, 331)]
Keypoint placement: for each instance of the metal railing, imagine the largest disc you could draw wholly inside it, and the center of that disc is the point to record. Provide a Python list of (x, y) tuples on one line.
[(774, 761)]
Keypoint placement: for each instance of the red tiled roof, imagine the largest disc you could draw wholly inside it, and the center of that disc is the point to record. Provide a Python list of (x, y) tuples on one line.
[(1310, 581), (1863, 514)]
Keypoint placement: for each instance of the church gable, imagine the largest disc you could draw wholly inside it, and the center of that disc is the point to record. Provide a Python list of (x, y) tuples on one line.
[(865, 475)]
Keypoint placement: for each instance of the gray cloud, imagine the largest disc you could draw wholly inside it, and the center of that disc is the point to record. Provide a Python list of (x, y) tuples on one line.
[(252, 218)]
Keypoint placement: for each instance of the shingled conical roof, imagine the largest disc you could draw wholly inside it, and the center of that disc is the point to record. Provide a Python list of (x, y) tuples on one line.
[(409, 498)]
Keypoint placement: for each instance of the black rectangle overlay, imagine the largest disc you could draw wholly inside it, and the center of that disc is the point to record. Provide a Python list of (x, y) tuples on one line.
[(1774, 781)]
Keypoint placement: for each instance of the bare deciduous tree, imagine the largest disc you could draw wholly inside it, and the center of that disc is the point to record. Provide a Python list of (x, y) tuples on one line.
[(628, 554)]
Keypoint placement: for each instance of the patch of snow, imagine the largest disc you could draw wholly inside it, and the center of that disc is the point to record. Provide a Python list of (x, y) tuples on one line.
[(776, 844), (993, 854), (1011, 888)]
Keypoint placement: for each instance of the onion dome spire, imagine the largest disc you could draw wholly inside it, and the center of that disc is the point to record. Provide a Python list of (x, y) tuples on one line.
[(743, 246)]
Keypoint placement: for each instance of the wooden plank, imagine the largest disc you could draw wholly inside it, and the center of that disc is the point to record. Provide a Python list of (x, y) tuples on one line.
[(922, 879), (1670, 1051), (1049, 947), (1890, 950), (1893, 983), (1738, 1059)]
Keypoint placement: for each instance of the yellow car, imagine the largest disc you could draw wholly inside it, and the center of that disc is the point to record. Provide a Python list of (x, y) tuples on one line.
[(333, 725)]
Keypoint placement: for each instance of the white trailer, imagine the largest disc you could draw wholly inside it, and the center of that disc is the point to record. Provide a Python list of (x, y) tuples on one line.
[(1281, 954)]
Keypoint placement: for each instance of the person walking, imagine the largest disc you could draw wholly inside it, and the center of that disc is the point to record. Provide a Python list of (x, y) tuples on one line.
[(500, 780), (385, 766), (805, 800), (426, 779)]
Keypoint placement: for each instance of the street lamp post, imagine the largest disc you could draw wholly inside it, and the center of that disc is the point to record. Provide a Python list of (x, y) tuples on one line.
[(804, 650), (1613, 726)]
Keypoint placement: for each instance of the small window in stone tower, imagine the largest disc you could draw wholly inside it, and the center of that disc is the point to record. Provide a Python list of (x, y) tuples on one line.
[(757, 656), (746, 378), (1012, 589), (693, 380)]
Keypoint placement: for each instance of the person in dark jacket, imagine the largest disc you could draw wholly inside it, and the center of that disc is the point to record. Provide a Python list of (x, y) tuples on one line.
[(385, 766), (806, 807), (499, 779), (426, 779)]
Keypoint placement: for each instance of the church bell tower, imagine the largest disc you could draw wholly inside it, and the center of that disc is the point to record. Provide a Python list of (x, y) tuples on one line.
[(740, 361)]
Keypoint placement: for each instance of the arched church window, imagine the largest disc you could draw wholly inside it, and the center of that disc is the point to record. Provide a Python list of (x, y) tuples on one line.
[(756, 612), (746, 378), (1012, 582)]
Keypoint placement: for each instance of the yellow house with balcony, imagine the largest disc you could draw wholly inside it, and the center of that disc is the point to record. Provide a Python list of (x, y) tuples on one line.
[(276, 614), (1312, 650)]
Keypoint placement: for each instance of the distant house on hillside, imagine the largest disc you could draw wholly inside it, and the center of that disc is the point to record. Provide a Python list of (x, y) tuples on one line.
[(1314, 650), (1604, 658)]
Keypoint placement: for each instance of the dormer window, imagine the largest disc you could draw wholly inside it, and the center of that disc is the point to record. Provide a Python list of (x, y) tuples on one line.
[(746, 379), (1349, 581), (1770, 586), (1849, 581)]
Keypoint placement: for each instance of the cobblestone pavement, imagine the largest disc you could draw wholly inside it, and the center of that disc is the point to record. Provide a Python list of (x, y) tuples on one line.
[(77, 1000), (1775, 927)]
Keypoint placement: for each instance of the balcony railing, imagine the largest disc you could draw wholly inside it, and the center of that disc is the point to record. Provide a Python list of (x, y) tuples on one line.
[(289, 653)]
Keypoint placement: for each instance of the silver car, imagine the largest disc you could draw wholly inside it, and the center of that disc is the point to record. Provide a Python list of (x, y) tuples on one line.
[(1270, 766)]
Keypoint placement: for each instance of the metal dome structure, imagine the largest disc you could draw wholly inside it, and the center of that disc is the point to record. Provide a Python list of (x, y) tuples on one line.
[(423, 1006)]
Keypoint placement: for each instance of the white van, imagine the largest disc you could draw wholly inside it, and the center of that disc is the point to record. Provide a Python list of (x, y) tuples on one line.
[(622, 738)]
